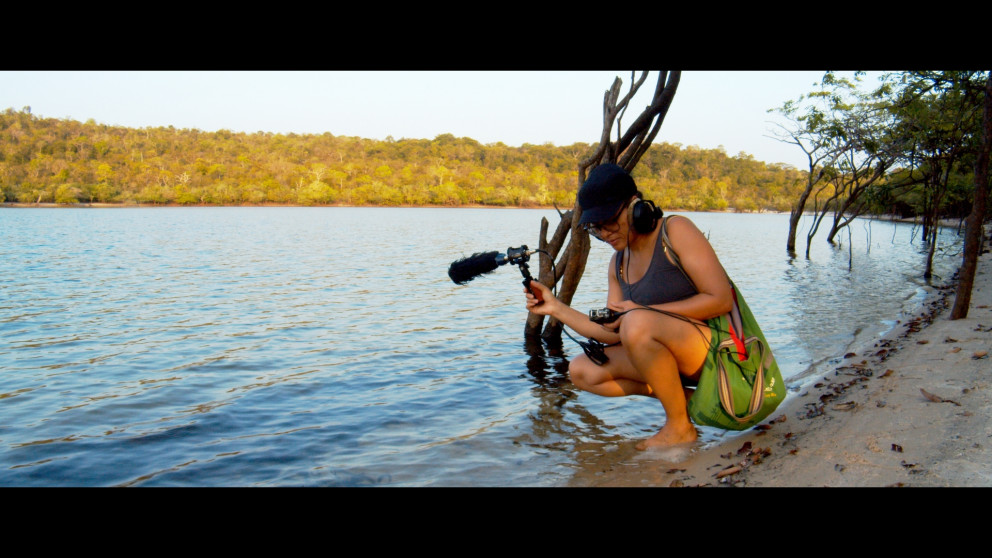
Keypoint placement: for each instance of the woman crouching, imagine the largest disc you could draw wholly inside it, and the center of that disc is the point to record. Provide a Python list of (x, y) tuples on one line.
[(657, 353)]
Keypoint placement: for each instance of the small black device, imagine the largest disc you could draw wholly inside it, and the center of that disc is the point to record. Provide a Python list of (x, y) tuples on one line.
[(603, 316)]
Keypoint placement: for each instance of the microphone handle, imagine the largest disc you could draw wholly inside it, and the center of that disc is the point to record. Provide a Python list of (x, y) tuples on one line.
[(537, 294), (525, 271)]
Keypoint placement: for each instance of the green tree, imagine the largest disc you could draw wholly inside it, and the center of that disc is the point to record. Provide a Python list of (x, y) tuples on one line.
[(316, 193), (938, 115), (67, 194), (979, 210), (816, 127)]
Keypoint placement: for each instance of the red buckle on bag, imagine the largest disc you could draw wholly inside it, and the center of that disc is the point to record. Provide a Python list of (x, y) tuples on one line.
[(737, 324)]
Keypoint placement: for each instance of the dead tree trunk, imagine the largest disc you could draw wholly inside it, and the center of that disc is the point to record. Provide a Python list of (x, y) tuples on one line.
[(625, 151), (817, 171), (821, 152)]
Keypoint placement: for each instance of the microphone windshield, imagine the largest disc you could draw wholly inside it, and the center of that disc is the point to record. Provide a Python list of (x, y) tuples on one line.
[(464, 270)]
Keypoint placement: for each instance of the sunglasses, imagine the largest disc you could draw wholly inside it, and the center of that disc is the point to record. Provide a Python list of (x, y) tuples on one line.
[(610, 225)]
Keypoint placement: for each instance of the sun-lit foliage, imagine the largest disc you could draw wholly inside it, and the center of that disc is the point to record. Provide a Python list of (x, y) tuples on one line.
[(65, 161)]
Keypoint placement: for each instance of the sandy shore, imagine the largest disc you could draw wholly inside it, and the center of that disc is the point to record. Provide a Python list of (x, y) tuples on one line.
[(912, 409)]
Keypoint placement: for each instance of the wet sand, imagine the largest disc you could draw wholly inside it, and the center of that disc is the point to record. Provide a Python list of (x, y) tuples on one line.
[(911, 409)]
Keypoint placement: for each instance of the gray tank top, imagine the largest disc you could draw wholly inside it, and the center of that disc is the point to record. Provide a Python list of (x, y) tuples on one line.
[(663, 282)]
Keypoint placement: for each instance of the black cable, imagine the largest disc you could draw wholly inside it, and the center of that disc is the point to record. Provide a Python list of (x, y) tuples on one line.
[(630, 295), (594, 348)]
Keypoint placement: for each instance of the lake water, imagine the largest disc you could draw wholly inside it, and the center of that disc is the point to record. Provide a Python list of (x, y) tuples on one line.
[(327, 346)]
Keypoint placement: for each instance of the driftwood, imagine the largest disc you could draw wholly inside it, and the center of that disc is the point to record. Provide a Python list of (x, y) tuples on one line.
[(626, 150)]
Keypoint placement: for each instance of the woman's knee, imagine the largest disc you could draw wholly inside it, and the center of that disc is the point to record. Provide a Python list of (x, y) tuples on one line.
[(637, 329), (581, 372)]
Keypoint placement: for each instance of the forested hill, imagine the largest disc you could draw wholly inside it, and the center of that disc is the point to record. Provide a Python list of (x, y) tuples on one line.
[(66, 161)]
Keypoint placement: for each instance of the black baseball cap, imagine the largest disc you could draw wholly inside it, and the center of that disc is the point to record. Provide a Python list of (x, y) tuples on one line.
[(604, 192)]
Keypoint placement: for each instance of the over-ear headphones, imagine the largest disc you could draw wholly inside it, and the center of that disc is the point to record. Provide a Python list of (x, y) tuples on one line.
[(644, 216)]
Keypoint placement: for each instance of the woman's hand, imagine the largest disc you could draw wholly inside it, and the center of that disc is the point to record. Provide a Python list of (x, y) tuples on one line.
[(619, 307), (541, 302)]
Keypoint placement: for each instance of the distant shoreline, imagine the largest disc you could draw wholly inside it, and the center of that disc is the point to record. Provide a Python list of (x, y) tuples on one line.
[(100, 205), (945, 222)]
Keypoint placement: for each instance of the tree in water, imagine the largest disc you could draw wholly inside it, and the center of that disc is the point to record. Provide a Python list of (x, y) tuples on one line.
[(920, 125), (816, 127), (939, 115), (869, 152), (626, 150)]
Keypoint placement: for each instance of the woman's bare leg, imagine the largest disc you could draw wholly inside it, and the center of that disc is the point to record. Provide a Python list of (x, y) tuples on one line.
[(613, 379), (654, 349)]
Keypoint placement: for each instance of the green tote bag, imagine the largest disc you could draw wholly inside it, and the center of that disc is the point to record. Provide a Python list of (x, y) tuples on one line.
[(740, 384)]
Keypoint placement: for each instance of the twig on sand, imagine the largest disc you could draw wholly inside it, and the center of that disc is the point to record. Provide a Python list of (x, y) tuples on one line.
[(937, 398)]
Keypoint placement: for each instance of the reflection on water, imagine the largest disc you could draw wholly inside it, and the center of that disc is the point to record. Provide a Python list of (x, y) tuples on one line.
[(327, 347)]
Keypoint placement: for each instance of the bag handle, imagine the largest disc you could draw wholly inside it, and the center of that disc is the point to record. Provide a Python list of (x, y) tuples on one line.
[(736, 323), (757, 391), (734, 316)]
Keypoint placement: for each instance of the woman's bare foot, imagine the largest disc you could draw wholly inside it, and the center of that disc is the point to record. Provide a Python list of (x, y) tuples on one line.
[(670, 435)]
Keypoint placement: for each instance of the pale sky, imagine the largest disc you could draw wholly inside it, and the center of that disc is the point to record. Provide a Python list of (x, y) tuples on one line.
[(710, 108)]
